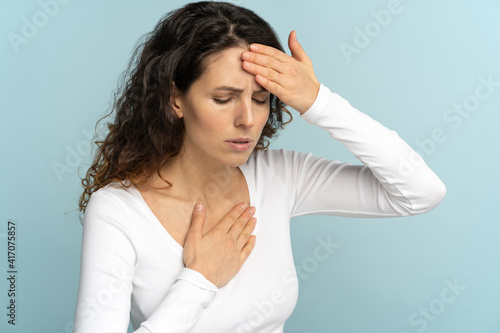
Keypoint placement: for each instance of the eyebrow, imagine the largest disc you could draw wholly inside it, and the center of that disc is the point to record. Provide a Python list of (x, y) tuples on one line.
[(233, 89)]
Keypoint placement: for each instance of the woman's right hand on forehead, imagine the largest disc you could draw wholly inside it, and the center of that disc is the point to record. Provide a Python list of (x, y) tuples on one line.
[(220, 253), (290, 78)]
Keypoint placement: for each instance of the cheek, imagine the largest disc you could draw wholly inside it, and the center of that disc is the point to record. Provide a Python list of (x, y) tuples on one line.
[(198, 120), (204, 128), (263, 118)]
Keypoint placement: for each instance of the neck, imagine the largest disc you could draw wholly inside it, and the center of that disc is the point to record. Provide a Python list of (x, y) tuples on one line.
[(198, 180)]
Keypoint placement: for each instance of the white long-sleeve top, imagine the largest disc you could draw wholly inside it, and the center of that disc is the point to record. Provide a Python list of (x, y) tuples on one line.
[(132, 269)]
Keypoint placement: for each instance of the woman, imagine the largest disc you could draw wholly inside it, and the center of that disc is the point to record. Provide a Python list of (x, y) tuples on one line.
[(186, 211)]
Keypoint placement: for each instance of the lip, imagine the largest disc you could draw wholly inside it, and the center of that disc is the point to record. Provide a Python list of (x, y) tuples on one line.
[(240, 144)]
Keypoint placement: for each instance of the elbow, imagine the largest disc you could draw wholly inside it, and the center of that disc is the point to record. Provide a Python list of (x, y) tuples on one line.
[(430, 198), (438, 194)]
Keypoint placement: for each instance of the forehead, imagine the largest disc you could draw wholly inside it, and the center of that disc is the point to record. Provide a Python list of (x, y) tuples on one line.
[(225, 68), (232, 54)]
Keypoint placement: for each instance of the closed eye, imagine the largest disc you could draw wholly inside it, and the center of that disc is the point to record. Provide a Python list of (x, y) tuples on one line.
[(220, 101), (224, 101), (261, 102)]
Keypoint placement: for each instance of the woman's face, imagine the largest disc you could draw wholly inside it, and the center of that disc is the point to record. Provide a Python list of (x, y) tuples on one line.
[(224, 112)]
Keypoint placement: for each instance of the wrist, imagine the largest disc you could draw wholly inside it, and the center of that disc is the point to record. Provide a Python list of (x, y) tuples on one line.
[(313, 100), (195, 277)]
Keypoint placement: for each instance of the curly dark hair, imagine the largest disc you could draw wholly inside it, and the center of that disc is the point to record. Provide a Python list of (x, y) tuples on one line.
[(146, 133)]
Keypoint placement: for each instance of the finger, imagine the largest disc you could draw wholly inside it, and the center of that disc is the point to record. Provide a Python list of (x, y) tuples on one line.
[(273, 87), (296, 49), (268, 73), (269, 51), (246, 233), (231, 217), (240, 224), (248, 248), (263, 60), (197, 221)]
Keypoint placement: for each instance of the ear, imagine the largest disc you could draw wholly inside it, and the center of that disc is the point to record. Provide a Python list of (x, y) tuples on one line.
[(176, 102)]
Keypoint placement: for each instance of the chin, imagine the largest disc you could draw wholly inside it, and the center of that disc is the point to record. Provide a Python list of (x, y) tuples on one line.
[(239, 159)]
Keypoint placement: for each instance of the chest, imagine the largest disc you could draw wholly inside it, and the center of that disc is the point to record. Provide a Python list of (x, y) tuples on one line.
[(175, 215), (258, 299)]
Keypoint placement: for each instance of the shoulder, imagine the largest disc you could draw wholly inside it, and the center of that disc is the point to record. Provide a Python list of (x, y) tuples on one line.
[(114, 196), (275, 158), (108, 227), (275, 165), (111, 210)]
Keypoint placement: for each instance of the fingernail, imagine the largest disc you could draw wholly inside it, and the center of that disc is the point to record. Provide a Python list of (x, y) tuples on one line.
[(254, 47), (246, 55), (254, 220), (198, 207), (244, 205), (251, 210)]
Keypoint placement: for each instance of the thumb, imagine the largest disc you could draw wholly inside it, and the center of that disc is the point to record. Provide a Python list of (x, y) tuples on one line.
[(298, 52), (197, 220)]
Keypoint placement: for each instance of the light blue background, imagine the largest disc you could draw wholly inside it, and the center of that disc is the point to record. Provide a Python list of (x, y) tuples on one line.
[(429, 57)]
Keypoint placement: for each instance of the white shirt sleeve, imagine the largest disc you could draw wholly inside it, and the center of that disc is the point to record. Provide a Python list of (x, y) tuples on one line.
[(393, 180), (106, 274)]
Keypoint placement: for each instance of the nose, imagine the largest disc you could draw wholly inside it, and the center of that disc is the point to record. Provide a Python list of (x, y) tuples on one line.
[(244, 114)]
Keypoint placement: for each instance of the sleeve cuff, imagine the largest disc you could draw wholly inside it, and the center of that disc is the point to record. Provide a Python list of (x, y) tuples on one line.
[(328, 109), (197, 279), (319, 104)]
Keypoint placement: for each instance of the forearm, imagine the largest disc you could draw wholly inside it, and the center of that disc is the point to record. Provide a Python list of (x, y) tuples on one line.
[(182, 306), (385, 185)]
